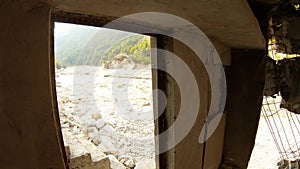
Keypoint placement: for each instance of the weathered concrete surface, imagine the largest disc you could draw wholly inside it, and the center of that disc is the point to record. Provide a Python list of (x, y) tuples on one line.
[(27, 126), (229, 21), (214, 146), (189, 149), (27, 103), (189, 153), (274, 2), (244, 96)]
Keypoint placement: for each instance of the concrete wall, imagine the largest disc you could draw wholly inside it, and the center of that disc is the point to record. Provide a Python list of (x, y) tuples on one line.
[(28, 131), (245, 79), (28, 122), (189, 153)]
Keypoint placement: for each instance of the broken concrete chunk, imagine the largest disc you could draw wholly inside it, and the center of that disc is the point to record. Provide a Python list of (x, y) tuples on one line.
[(104, 163), (81, 161)]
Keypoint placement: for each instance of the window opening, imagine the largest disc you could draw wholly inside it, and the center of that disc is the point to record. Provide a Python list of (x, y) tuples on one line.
[(104, 95)]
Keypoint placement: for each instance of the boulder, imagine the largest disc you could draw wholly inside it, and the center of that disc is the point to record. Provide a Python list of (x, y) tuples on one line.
[(100, 123), (129, 163), (96, 116), (120, 61), (114, 163)]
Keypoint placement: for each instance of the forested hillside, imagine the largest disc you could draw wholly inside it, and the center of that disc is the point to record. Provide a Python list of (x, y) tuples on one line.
[(135, 46), (83, 45)]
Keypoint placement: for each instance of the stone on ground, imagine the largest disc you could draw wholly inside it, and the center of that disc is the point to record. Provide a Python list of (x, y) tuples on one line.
[(146, 164)]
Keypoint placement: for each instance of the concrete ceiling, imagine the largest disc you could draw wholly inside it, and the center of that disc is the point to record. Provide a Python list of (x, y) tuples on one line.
[(268, 1), (275, 1), (231, 22)]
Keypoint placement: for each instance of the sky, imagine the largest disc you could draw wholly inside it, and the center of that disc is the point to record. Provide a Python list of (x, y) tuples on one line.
[(61, 28)]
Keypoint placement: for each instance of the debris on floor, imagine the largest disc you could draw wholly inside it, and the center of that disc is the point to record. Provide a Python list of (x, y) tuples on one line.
[(285, 164), (93, 124)]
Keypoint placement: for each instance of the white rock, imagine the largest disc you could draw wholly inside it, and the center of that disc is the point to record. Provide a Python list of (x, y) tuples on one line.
[(106, 142), (100, 123), (91, 122), (76, 130), (108, 129), (145, 164), (91, 129), (114, 163), (96, 116), (96, 141), (111, 125), (129, 163), (94, 135)]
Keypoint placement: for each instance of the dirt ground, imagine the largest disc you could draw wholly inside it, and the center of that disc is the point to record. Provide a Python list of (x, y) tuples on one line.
[(284, 126)]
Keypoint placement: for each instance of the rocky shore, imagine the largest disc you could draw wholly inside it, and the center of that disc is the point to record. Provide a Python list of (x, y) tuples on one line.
[(107, 114)]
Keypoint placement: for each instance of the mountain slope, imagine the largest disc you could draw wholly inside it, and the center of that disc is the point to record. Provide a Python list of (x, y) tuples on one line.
[(86, 45), (136, 46)]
